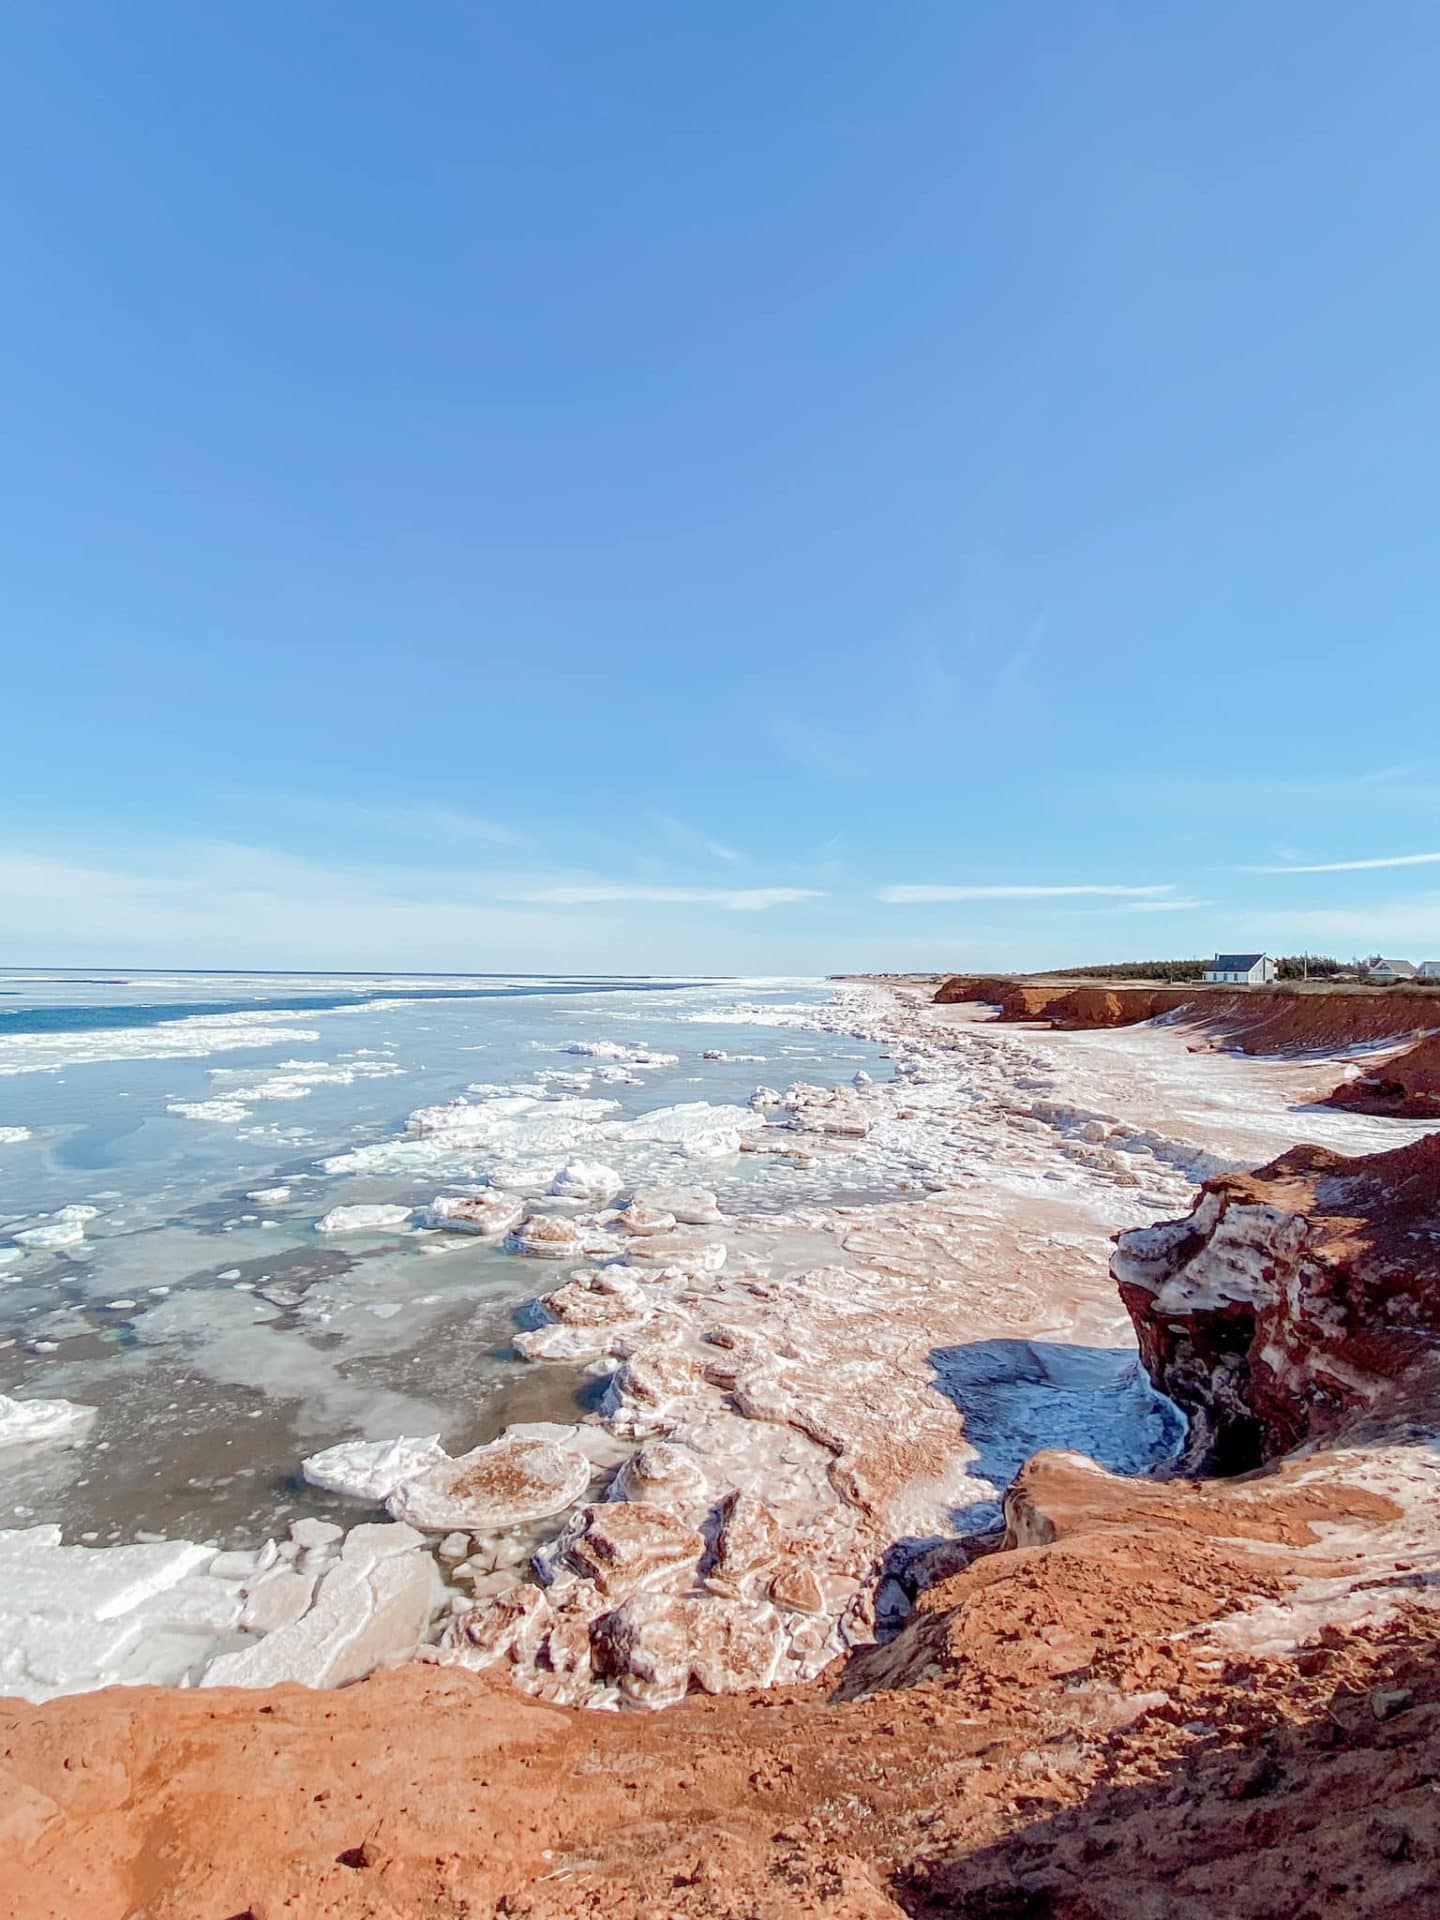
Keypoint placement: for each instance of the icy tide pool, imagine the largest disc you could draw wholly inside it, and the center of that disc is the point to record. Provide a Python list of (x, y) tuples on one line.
[(168, 1146)]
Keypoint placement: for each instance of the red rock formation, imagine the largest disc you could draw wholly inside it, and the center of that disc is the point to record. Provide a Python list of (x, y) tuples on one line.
[(1290, 1300)]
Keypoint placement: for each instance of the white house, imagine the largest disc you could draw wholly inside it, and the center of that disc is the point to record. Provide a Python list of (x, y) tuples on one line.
[(1428, 970), (1241, 970), (1386, 971)]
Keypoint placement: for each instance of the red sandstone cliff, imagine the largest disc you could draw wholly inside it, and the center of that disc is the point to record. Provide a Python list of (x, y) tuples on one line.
[(1292, 1300)]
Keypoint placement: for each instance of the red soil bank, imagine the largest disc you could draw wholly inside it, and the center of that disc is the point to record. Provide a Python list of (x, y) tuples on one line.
[(1268, 1020), (1406, 1086)]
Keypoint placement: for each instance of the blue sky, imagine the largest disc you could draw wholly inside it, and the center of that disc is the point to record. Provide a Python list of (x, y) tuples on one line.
[(763, 488)]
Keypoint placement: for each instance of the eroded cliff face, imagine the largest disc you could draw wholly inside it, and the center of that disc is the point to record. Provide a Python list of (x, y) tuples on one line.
[(1405, 1086), (1280, 1020), (1291, 1301)]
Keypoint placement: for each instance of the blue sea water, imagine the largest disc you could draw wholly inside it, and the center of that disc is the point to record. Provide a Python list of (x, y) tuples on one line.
[(222, 1337)]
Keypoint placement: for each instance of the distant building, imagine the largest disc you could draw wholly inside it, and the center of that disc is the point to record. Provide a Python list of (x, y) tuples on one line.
[(1241, 970), (1428, 970), (1383, 972)]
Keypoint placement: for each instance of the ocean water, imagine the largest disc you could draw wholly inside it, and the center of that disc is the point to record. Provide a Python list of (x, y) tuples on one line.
[(221, 1336)]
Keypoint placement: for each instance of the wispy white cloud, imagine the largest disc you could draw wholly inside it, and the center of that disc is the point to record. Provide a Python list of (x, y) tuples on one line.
[(1165, 906), (731, 899), (692, 840), (923, 895), (421, 821), (1353, 866)]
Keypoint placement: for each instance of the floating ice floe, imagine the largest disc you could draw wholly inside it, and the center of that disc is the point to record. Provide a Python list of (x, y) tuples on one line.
[(690, 1206), (26, 1422), (699, 1130), (269, 1196), (617, 1051), (363, 1219), (488, 1214), (186, 1039), (511, 1481), (589, 1180), (549, 1237), (372, 1469), (55, 1231), (12, 1136), (220, 1110)]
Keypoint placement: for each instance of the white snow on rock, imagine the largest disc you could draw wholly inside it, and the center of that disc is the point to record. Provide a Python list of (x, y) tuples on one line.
[(362, 1219), (24, 1422), (372, 1469)]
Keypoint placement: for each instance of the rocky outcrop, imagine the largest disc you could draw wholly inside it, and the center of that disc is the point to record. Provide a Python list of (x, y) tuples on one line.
[(1291, 1301)]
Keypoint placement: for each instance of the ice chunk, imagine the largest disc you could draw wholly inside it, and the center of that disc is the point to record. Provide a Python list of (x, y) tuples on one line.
[(367, 1610), (42, 1577), (372, 1469), (691, 1206), (363, 1219), (54, 1235), (488, 1214), (510, 1481), (586, 1180), (23, 1422)]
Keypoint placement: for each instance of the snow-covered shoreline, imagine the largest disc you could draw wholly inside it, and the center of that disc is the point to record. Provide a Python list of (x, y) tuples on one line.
[(783, 1395)]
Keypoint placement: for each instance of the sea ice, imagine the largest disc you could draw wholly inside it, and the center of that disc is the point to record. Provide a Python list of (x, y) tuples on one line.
[(488, 1214), (26, 1421), (511, 1481), (372, 1469), (362, 1219), (56, 1233), (588, 1180), (12, 1136)]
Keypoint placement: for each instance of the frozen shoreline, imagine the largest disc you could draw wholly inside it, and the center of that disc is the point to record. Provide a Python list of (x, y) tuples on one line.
[(795, 1428)]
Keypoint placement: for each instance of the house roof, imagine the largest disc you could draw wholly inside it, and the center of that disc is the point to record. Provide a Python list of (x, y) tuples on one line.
[(1235, 962), (1395, 966)]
